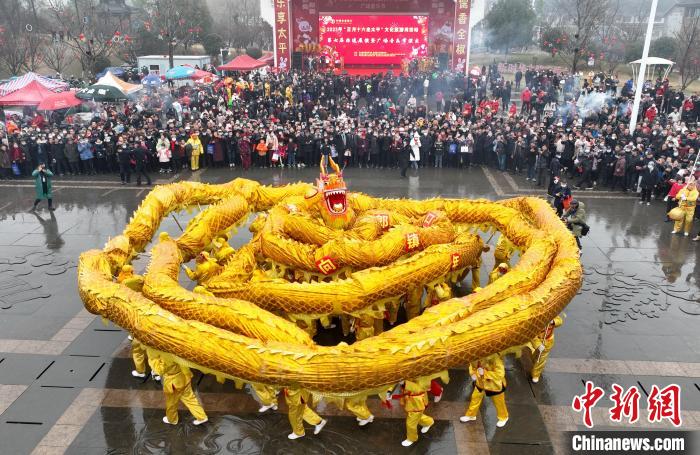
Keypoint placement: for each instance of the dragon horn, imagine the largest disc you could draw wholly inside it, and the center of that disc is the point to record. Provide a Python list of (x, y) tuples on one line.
[(335, 167), (323, 165)]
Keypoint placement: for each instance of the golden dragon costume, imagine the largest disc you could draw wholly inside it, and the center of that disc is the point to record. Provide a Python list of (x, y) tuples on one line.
[(322, 251)]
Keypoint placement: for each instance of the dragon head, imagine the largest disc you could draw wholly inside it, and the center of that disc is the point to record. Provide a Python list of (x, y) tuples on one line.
[(333, 197)]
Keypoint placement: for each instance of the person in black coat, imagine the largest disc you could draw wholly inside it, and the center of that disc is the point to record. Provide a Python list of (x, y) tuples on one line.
[(554, 174), (139, 153), (124, 160), (404, 156), (650, 178)]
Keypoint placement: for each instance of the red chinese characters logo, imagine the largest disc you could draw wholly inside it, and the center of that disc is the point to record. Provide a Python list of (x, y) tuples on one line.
[(665, 404), (455, 260), (326, 265), (383, 220), (626, 404), (429, 219), (587, 401), (412, 241), (662, 404)]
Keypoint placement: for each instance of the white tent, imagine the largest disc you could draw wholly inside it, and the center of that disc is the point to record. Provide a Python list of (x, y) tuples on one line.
[(113, 81), (653, 64)]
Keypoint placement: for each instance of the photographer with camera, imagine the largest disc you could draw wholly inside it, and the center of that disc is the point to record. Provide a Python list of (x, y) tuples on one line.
[(575, 219), (42, 185)]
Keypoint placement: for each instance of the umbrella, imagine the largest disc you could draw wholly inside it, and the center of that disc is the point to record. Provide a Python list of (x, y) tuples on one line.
[(98, 92), (179, 72), (151, 80), (58, 101), (117, 71)]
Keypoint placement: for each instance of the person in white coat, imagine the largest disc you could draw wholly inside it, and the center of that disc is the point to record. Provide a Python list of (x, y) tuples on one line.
[(415, 150)]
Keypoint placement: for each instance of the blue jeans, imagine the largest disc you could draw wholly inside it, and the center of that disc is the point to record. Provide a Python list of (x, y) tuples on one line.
[(531, 171), (291, 159), (438, 160), (502, 162)]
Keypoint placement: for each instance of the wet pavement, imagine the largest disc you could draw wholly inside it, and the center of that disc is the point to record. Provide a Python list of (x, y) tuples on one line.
[(66, 387)]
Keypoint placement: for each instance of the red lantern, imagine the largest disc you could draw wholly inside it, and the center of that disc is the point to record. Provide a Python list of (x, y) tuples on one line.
[(81, 37), (117, 33)]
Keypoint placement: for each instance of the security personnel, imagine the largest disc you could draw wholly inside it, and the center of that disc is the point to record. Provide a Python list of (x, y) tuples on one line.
[(300, 411), (541, 346), (489, 376), (177, 387)]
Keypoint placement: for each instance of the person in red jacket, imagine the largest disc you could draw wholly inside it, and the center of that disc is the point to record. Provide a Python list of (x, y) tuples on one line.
[(526, 98), (650, 114), (671, 203)]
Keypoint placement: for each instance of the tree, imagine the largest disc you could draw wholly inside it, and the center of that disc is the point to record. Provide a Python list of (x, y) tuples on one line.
[(664, 47), (87, 32), (688, 51), (509, 24), (57, 56), (20, 37), (177, 22), (584, 20)]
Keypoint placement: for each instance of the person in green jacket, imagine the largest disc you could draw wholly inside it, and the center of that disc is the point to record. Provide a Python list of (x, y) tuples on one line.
[(42, 185)]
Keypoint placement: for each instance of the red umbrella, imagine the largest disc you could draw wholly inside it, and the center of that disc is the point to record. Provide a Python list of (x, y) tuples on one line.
[(57, 101)]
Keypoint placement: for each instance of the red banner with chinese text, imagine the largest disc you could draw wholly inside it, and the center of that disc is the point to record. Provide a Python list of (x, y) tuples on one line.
[(282, 35), (461, 35)]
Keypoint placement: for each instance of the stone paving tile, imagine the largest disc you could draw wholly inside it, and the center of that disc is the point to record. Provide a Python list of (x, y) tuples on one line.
[(622, 367), (8, 394), (61, 435), (79, 322), (66, 334), (49, 450)]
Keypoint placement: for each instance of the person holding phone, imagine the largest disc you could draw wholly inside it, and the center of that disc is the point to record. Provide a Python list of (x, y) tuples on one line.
[(42, 186)]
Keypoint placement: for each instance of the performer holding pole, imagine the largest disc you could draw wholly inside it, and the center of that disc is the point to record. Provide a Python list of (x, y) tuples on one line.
[(489, 376), (300, 411), (414, 401), (541, 346), (177, 387)]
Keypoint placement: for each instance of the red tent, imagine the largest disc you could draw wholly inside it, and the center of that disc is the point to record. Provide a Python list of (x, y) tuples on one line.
[(242, 63), (57, 101), (268, 58), (29, 95)]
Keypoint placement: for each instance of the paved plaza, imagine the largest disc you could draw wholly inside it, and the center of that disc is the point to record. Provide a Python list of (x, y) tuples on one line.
[(65, 375)]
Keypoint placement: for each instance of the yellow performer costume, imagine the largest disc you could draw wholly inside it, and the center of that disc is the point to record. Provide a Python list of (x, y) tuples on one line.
[(414, 400), (177, 387), (476, 275), (498, 272), (541, 346), (503, 252), (489, 376), (267, 396), (687, 199), (140, 357), (300, 411), (358, 406), (197, 150)]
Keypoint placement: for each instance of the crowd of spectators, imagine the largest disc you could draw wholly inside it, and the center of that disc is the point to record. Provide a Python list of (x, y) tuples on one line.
[(571, 127)]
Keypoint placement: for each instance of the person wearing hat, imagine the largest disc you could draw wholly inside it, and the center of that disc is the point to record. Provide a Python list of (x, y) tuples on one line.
[(575, 219), (687, 199), (489, 377), (196, 146)]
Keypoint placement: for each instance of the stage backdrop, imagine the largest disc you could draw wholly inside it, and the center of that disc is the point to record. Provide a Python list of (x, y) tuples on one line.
[(374, 40), (447, 24)]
